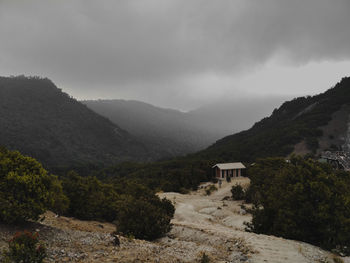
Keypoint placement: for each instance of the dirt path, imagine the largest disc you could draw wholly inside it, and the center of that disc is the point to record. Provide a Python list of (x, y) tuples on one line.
[(197, 213), (202, 224)]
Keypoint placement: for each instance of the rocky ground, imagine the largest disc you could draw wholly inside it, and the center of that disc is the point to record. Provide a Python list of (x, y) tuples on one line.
[(202, 224)]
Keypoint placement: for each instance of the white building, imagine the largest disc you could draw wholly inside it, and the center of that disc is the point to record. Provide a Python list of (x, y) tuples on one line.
[(228, 170)]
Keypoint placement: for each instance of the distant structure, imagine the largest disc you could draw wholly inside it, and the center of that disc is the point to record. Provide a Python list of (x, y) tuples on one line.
[(228, 170), (339, 160)]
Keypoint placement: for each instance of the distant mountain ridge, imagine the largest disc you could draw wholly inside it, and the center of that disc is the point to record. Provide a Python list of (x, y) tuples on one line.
[(168, 132), (172, 133), (40, 120)]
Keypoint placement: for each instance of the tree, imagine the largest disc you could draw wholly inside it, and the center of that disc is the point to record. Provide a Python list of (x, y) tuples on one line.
[(90, 198), (302, 200), (25, 247), (237, 192), (145, 219), (26, 188)]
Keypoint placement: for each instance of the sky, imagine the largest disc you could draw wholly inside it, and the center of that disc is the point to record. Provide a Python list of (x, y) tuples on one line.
[(178, 53)]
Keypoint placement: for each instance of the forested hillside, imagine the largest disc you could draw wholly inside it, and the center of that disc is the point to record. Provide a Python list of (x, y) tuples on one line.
[(40, 120), (68, 134), (301, 120)]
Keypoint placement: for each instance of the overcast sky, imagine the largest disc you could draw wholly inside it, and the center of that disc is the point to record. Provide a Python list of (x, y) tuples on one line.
[(180, 53)]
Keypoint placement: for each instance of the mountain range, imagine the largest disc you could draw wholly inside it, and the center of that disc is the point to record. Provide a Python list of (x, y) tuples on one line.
[(40, 120), (171, 133), (305, 125)]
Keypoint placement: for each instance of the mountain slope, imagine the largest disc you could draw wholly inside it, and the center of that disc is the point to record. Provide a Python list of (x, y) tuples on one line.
[(40, 120), (172, 133), (167, 132), (319, 122), (302, 120), (233, 114)]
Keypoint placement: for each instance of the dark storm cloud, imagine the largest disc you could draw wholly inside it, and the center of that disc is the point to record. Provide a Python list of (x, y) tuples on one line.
[(145, 46)]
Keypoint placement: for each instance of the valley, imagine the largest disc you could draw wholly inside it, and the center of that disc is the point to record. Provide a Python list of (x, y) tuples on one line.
[(162, 131), (171, 133)]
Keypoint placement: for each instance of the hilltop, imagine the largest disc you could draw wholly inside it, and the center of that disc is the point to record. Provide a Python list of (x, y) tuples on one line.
[(40, 120)]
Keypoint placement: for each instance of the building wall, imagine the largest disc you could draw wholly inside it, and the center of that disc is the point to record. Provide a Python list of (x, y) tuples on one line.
[(235, 173)]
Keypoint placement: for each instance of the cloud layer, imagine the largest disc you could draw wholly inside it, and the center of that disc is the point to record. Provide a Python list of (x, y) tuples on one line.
[(160, 50)]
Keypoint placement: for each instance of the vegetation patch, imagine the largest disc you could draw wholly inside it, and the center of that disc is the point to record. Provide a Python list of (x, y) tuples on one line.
[(301, 199), (210, 189), (237, 192), (26, 189), (145, 219), (24, 247)]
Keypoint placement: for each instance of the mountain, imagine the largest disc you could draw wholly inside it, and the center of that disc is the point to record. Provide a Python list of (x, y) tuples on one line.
[(173, 133), (303, 125), (233, 115), (166, 131), (40, 120)]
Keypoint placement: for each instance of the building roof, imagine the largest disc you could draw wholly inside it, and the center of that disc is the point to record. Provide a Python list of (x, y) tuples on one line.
[(229, 166)]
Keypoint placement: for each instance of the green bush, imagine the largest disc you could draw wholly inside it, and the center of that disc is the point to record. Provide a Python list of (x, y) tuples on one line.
[(337, 260), (237, 192), (26, 189), (145, 219), (25, 247), (135, 209), (210, 189), (90, 198), (303, 200)]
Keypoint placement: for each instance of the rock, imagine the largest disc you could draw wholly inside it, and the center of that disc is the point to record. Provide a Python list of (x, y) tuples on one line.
[(116, 240), (242, 211)]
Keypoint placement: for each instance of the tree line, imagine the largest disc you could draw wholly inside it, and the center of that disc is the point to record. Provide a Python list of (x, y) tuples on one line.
[(300, 199), (27, 190)]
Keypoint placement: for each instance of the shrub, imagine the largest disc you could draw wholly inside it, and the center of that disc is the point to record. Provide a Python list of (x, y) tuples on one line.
[(210, 189), (90, 198), (25, 247), (26, 189), (237, 192), (145, 219), (135, 209), (337, 260), (205, 258), (60, 201), (302, 200)]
